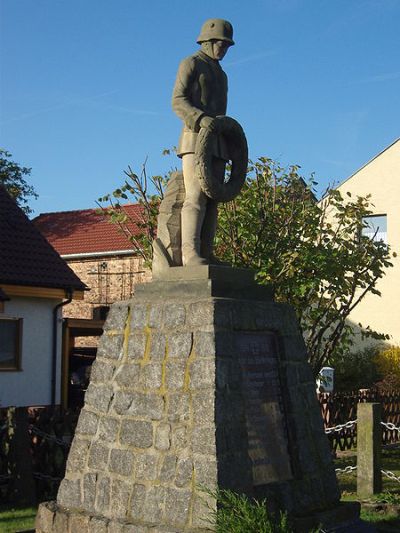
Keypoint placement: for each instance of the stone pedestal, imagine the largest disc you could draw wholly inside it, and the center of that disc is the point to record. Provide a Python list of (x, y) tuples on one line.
[(200, 380)]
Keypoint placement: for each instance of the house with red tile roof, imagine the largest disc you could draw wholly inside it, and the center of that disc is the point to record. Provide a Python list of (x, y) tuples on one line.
[(99, 253), (35, 282)]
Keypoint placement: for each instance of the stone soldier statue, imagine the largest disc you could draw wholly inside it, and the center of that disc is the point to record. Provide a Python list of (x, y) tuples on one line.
[(200, 95)]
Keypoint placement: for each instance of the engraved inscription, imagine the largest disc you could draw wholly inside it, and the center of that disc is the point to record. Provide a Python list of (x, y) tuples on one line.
[(266, 425)]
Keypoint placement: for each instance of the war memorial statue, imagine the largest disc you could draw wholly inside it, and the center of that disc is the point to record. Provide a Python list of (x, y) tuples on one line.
[(201, 379), (209, 140)]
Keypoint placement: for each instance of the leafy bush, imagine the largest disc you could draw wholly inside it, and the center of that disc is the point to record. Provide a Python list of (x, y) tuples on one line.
[(237, 513), (388, 364), (357, 370)]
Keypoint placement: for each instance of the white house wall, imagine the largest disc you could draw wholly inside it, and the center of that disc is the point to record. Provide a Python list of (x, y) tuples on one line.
[(32, 385), (381, 179)]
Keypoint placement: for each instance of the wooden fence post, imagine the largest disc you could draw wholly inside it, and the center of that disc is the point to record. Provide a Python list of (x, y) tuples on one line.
[(369, 444)]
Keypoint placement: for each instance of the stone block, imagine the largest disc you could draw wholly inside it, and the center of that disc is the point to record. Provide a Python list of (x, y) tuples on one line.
[(184, 472), (69, 493), (152, 375), (120, 493), (180, 440), (128, 375), (180, 345), (102, 371), (122, 402), (137, 501), (154, 504), (157, 346), (79, 523), (99, 397), (203, 406), (116, 317), (136, 346), (155, 316), (294, 348), (203, 507), (162, 439), (133, 528), (115, 526), (200, 314), (202, 374), (121, 462), (45, 517), (103, 494), (177, 505), (205, 471), (78, 455), (168, 468), (98, 525), (138, 316), (223, 314), (111, 346), (89, 491), (178, 407), (108, 429), (175, 374), (87, 423), (174, 315), (147, 405), (137, 433), (146, 467), (61, 522), (225, 345), (98, 457), (204, 343), (203, 440)]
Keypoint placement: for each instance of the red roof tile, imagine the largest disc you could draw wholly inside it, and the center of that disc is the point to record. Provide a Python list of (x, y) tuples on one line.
[(26, 258), (86, 231)]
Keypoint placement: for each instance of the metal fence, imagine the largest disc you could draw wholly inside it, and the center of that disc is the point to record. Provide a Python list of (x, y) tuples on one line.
[(49, 434), (340, 409)]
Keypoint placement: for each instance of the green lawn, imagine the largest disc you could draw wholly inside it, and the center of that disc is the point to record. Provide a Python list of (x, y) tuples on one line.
[(14, 519), (382, 510)]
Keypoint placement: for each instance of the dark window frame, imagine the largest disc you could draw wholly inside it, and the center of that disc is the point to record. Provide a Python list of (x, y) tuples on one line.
[(14, 366)]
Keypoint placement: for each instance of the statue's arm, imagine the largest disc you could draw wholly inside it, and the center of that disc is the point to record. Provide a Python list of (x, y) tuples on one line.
[(181, 96)]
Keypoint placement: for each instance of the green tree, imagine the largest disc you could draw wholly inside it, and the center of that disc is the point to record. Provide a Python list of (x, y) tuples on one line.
[(312, 253), (12, 177), (147, 191)]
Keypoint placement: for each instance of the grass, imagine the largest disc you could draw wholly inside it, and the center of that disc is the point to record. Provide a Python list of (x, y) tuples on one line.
[(14, 519), (382, 510)]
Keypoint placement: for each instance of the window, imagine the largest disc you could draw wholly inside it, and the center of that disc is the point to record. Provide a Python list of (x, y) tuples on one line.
[(375, 228), (10, 343)]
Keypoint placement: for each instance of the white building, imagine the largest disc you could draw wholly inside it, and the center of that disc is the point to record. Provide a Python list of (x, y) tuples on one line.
[(34, 285)]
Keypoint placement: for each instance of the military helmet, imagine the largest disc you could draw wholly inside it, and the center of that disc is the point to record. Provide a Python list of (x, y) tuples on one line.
[(218, 29)]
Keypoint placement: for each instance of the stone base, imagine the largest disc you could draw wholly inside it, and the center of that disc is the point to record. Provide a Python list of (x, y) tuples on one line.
[(344, 518), (200, 381), (53, 518)]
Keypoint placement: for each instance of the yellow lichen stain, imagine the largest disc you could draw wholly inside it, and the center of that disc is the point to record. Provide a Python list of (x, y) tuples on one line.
[(127, 331), (186, 380), (163, 388), (146, 356)]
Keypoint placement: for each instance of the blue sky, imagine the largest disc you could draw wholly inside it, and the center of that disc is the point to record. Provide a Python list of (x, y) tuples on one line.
[(86, 85)]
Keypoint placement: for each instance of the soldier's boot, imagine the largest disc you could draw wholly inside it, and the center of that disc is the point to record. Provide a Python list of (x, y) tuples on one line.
[(191, 222), (208, 232)]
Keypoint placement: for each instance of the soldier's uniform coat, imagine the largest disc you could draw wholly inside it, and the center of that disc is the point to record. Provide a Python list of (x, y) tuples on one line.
[(201, 88)]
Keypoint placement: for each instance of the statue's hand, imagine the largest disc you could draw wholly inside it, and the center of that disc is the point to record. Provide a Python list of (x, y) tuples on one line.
[(208, 122)]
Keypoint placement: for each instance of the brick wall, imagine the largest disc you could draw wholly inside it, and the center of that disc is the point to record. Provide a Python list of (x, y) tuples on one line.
[(110, 279)]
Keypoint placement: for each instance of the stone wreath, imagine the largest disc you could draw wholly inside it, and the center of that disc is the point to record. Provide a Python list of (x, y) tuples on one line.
[(232, 132)]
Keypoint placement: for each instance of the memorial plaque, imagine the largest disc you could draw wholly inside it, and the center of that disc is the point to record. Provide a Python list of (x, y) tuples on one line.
[(265, 419)]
